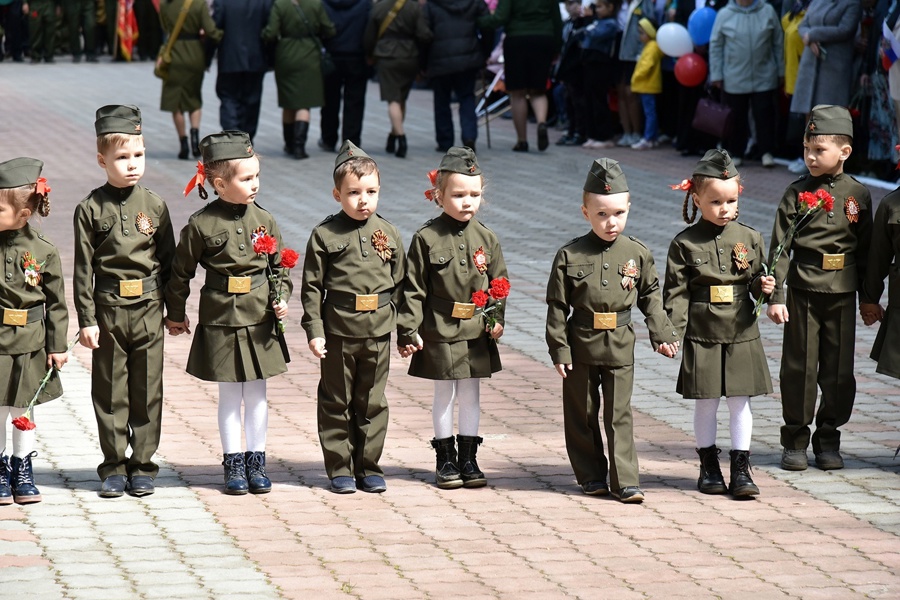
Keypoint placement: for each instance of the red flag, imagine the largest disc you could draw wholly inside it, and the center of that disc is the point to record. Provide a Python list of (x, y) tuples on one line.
[(126, 27)]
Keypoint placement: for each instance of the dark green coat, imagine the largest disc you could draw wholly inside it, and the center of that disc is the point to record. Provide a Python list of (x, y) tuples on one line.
[(298, 71), (403, 36), (587, 275), (181, 91), (883, 253)]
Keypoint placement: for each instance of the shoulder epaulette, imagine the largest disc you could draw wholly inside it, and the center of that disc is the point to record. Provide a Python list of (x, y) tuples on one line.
[(485, 226), (325, 220), (637, 241), (572, 241), (383, 219), (801, 178), (425, 224), (41, 237)]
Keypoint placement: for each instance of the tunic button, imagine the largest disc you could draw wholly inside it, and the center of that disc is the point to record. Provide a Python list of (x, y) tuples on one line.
[(105, 226), (697, 261), (605, 265), (462, 246), (241, 247), (441, 259), (124, 217), (240, 230), (8, 276), (122, 203), (459, 233), (237, 217), (605, 282), (722, 268), (8, 259), (721, 251), (831, 184), (125, 232), (365, 252), (363, 238), (580, 273), (831, 214), (462, 263), (218, 241), (718, 237)]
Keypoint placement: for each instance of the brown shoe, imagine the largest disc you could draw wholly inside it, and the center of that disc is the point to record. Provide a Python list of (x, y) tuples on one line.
[(829, 460)]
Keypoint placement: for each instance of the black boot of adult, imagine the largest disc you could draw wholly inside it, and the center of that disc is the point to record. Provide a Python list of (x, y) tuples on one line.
[(741, 485), (183, 153), (22, 480), (391, 146), (195, 142), (287, 130), (710, 480), (235, 474), (301, 131), (468, 467), (257, 478), (446, 474), (401, 146)]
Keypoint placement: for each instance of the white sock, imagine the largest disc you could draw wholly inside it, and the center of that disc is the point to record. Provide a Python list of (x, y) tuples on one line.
[(23, 441), (256, 414), (467, 395), (442, 408), (230, 396), (705, 421), (741, 422), (4, 420)]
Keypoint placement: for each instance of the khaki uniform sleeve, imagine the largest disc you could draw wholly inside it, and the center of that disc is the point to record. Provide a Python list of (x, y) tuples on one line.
[(285, 285), (83, 273), (881, 255), (56, 316), (557, 313), (650, 303), (415, 287), (312, 290), (786, 212), (676, 292), (496, 269), (864, 231), (184, 267), (398, 270), (164, 237)]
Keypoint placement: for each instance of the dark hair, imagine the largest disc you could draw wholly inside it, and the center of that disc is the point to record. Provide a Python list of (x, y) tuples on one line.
[(836, 138)]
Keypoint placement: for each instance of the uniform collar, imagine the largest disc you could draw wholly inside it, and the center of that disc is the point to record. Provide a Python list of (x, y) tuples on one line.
[(231, 208), (453, 222), (828, 179), (604, 245), (118, 193), (348, 220), (712, 228)]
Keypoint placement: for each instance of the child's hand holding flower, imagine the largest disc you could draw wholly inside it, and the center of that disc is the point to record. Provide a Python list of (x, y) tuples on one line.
[(767, 284), (281, 309), (498, 291)]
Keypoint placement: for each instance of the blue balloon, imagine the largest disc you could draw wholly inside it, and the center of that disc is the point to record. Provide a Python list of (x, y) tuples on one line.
[(700, 25)]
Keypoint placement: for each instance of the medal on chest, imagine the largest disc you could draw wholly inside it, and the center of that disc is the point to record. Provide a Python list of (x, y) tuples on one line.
[(629, 272), (381, 243), (740, 254), (258, 233), (144, 224), (32, 269), (851, 209), (480, 260)]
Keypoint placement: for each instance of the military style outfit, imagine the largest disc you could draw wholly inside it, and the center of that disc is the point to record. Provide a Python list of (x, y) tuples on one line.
[(33, 323), (883, 253), (827, 267), (352, 276), (181, 91)]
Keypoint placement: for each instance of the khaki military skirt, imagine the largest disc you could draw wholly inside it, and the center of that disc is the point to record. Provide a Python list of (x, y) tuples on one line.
[(714, 370), (456, 360), (235, 353), (395, 77), (22, 374)]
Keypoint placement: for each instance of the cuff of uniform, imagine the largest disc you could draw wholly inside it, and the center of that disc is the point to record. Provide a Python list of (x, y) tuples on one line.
[(86, 321), (562, 356), (314, 329), (176, 316)]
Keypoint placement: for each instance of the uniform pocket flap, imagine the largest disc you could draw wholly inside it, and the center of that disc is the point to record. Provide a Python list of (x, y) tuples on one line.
[(441, 257), (698, 258), (337, 246), (579, 271), (105, 224), (215, 240)]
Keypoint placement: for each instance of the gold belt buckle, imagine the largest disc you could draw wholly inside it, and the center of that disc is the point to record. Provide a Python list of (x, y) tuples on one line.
[(238, 285), (15, 316), (832, 262), (721, 294), (604, 320), (130, 288), (461, 310), (366, 302)]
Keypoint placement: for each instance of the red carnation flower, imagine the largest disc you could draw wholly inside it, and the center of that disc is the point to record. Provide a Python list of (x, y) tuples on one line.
[(480, 298), (809, 199), (499, 288), (289, 258), (23, 423), (265, 244)]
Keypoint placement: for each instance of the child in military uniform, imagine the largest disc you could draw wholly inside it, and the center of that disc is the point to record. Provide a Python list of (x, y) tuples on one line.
[(35, 319), (450, 258), (236, 342), (124, 247), (827, 266), (599, 277), (351, 283), (713, 267)]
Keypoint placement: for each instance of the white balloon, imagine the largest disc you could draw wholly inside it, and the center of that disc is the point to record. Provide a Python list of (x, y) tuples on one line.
[(674, 40)]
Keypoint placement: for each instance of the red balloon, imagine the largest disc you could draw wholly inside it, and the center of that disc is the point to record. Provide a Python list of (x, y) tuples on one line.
[(690, 70)]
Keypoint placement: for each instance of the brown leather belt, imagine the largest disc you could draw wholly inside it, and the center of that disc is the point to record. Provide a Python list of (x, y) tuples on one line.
[(127, 288), (18, 317), (826, 262), (235, 285), (720, 294), (358, 302), (597, 320), (457, 310)]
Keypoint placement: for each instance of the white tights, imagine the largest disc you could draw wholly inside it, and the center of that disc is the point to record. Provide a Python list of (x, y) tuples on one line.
[(740, 422), (256, 415), (466, 392), (22, 441)]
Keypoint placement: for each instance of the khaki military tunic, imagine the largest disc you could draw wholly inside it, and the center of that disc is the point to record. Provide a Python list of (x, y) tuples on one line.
[(124, 235), (591, 275), (396, 52), (722, 351), (441, 270), (352, 276), (26, 339), (236, 337), (821, 333), (883, 253), (181, 91)]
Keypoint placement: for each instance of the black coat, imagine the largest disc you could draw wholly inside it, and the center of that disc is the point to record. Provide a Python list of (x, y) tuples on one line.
[(241, 48), (456, 46), (350, 18)]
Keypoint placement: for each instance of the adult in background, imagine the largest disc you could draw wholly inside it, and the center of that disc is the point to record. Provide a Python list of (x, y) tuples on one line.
[(350, 78), (298, 26), (533, 31), (150, 33), (81, 16), (13, 30), (181, 90), (454, 59), (392, 38), (746, 60), (242, 62), (630, 113)]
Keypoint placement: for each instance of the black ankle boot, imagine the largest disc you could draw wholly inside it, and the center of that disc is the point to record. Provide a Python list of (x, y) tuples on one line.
[(6, 496), (446, 474), (301, 130), (741, 485), (468, 467), (391, 146), (287, 130), (235, 474), (195, 142), (183, 153), (256, 473), (710, 480), (22, 480), (401, 146)]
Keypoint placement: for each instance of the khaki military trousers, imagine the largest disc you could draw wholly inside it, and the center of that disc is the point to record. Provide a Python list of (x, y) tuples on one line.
[(818, 347), (581, 411), (352, 408), (127, 387)]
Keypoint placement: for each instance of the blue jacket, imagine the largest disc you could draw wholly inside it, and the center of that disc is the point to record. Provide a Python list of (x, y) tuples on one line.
[(241, 48), (349, 18), (600, 36)]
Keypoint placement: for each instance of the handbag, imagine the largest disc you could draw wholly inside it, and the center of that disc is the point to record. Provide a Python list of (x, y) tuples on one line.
[(326, 62), (713, 117), (164, 60)]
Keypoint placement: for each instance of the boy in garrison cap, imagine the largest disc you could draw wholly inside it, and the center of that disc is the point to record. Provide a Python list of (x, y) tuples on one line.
[(352, 272), (124, 247), (827, 267), (599, 277)]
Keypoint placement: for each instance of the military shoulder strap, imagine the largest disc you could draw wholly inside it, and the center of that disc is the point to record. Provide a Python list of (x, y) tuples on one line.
[(398, 4), (179, 23)]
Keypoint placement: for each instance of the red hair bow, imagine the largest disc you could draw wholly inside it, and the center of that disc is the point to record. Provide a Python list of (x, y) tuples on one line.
[(198, 179), (41, 187), (686, 185)]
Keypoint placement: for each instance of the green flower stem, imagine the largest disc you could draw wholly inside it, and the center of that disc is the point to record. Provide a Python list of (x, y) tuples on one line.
[(46, 378)]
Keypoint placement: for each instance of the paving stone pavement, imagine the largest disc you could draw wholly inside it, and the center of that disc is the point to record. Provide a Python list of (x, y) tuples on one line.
[(530, 533)]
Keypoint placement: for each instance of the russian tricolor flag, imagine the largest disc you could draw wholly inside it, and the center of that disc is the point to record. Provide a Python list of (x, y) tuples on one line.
[(892, 52)]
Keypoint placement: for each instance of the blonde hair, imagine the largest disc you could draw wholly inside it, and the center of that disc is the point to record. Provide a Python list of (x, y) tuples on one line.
[(25, 196), (698, 183), (108, 141), (358, 167), (838, 139), (440, 182)]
